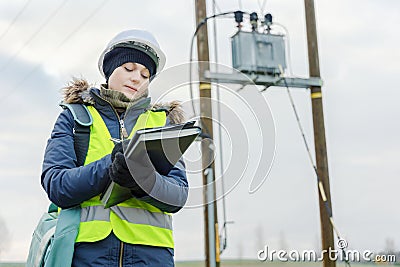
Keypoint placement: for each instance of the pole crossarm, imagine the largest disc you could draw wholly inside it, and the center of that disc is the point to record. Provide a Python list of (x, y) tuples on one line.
[(260, 79)]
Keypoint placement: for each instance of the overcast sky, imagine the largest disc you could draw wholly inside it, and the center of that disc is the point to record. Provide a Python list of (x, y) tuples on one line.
[(44, 43)]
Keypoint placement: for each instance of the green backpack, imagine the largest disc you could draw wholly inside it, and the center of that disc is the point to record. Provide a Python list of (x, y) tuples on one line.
[(53, 240)]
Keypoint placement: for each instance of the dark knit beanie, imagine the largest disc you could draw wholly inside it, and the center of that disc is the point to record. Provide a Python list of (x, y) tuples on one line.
[(121, 55)]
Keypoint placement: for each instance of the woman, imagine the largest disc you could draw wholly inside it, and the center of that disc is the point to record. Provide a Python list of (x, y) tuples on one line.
[(137, 232)]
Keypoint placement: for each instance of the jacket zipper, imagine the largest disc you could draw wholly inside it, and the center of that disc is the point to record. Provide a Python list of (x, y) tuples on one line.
[(121, 253), (123, 133)]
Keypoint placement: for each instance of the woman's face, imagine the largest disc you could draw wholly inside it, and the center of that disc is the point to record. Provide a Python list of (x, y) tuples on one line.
[(131, 79)]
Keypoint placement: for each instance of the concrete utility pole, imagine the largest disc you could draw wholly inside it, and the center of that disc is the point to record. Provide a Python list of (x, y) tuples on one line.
[(319, 132), (209, 194)]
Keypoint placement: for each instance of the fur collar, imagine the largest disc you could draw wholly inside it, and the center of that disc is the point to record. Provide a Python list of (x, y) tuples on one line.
[(78, 91)]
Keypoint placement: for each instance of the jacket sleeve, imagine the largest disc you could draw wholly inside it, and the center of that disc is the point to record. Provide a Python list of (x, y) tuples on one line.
[(169, 192), (66, 184)]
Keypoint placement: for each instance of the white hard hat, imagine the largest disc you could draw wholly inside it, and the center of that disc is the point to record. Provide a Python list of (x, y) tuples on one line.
[(137, 39)]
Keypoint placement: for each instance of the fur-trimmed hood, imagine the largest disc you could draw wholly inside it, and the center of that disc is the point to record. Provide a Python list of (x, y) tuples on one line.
[(78, 91)]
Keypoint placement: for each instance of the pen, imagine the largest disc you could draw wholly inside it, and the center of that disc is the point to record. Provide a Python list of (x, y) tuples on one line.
[(115, 140)]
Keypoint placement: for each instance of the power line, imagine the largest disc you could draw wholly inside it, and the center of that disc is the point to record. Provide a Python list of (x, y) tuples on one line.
[(83, 23), (215, 6), (191, 59), (321, 188), (240, 4), (48, 19), (262, 7), (14, 19), (224, 229), (34, 69)]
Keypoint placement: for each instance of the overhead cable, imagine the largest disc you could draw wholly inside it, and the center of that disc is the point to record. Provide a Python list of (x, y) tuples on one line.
[(14, 20), (48, 19), (36, 67)]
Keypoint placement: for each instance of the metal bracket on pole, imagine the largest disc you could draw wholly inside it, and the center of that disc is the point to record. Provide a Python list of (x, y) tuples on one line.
[(260, 79)]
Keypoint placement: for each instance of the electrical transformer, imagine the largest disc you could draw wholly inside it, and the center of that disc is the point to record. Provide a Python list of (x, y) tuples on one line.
[(254, 52)]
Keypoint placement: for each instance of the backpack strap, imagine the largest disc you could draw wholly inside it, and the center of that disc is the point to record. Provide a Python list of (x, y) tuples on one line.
[(53, 241), (83, 119), (61, 249)]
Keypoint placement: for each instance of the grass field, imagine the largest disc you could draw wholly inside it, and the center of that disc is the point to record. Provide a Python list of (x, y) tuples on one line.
[(238, 263)]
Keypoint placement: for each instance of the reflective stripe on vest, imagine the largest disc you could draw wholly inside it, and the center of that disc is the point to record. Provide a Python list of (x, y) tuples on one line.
[(132, 221)]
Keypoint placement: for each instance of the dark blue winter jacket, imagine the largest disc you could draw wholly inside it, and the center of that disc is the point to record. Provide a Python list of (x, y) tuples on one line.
[(68, 185)]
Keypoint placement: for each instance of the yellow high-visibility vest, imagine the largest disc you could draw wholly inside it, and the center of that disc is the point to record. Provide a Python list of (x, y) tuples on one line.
[(132, 221)]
